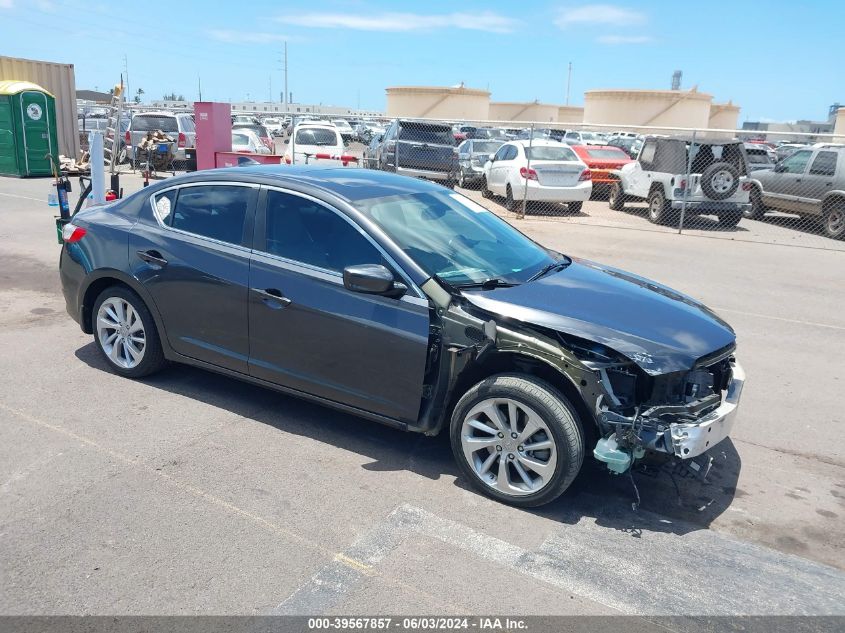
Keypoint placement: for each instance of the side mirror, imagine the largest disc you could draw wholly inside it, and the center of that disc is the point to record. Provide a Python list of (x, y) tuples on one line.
[(780, 167), (372, 279), (491, 157)]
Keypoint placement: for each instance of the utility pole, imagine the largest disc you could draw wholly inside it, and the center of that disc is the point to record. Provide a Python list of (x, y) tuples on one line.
[(126, 72), (568, 82), (199, 87), (286, 75)]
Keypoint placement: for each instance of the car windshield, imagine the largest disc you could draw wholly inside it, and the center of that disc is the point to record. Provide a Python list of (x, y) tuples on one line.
[(589, 136), (608, 153), (549, 152), (259, 130), (150, 123), (316, 136), (422, 133), (455, 238), (239, 139), (486, 147)]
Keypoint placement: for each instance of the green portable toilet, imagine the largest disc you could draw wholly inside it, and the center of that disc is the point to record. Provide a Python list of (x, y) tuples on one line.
[(27, 129)]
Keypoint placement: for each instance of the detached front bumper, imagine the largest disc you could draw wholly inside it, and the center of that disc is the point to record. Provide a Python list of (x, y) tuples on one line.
[(691, 439)]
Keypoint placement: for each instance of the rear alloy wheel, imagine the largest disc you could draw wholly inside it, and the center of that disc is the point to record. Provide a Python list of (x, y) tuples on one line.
[(616, 199), (485, 190), (658, 208), (757, 210), (510, 203), (517, 439), (834, 221), (126, 334), (461, 180)]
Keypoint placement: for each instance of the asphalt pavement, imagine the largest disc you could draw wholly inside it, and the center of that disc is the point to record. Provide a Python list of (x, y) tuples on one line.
[(191, 493)]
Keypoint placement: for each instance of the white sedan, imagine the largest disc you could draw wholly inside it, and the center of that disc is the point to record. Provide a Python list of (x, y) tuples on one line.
[(538, 171), (247, 141)]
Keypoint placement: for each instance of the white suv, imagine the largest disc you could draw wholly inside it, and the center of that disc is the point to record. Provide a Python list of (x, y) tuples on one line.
[(712, 181)]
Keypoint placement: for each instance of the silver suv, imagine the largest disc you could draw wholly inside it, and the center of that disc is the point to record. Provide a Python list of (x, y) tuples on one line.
[(179, 126), (809, 182)]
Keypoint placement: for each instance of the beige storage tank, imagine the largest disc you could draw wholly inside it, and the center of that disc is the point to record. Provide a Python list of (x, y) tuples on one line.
[(570, 114), (523, 111), (839, 126), (57, 79), (671, 108), (724, 116), (457, 103)]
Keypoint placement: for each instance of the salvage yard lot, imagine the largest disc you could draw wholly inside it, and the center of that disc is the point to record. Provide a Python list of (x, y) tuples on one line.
[(189, 492)]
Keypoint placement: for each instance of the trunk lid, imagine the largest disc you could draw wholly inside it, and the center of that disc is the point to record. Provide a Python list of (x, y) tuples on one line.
[(557, 173)]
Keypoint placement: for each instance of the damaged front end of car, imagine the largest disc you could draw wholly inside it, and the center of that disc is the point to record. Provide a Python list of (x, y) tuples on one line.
[(681, 414), (636, 405)]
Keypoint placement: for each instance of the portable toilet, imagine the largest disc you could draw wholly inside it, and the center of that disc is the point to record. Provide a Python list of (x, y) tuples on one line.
[(27, 129)]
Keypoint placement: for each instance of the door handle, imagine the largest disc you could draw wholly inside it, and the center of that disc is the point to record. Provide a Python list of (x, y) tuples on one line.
[(153, 257), (272, 295)]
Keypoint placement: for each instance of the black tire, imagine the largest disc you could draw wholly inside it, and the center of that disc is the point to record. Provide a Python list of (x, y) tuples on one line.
[(556, 412), (757, 210), (485, 190), (449, 184), (462, 183), (834, 220), (574, 207), (616, 198), (153, 359), (659, 210), (510, 203), (719, 181), (730, 219)]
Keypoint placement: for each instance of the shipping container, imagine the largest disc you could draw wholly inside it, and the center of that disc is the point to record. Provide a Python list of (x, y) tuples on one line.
[(57, 79)]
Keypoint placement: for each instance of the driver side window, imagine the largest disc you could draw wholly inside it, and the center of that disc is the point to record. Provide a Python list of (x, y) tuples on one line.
[(500, 155), (797, 163), (647, 155)]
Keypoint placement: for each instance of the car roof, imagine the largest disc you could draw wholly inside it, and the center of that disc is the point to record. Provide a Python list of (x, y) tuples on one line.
[(537, 141), (158, 113), (348, 183), (699, 139)]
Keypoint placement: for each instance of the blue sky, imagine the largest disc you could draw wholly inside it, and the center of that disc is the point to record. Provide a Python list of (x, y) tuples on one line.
[(777, 59)]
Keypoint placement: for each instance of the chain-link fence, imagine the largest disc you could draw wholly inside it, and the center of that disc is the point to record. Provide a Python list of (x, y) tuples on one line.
[(740, 185)]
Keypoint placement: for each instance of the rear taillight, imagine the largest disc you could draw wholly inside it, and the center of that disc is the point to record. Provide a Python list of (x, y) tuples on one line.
[(585, 175), (72, 233), (528, 174), (746, 186), (182, 139), (287, 160), (593, 166), (683, 184), (128, 138)]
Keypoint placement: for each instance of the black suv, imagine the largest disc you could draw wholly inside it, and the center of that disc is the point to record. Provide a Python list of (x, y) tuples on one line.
[(419, 149)]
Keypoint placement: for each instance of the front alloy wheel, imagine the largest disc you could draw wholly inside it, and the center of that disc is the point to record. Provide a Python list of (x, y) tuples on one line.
[(834, 222), (517, 439)]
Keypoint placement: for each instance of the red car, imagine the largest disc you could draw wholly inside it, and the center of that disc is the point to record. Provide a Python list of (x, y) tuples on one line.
[(601, 159)]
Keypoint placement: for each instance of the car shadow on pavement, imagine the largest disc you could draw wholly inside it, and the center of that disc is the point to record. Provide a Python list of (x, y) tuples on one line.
[(671, 499), (693, 222)]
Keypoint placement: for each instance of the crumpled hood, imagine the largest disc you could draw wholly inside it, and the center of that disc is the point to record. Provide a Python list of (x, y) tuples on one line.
[(658, 328)]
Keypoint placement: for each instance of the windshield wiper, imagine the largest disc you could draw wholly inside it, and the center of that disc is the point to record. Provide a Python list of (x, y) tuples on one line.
[(555, 265), (487, 284)]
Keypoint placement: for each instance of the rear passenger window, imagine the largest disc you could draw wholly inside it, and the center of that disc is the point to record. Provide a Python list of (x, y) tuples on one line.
[(307, 232), (824, 164), (215, 211)]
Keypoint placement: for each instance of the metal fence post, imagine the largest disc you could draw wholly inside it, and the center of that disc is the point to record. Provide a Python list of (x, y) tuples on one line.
[(527, 166), (687, 185)]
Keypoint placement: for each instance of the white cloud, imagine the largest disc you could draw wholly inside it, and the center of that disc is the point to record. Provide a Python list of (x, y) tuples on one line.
[(600, 14), (246, 37), (624, 39), (7, 4), (401, 22)]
